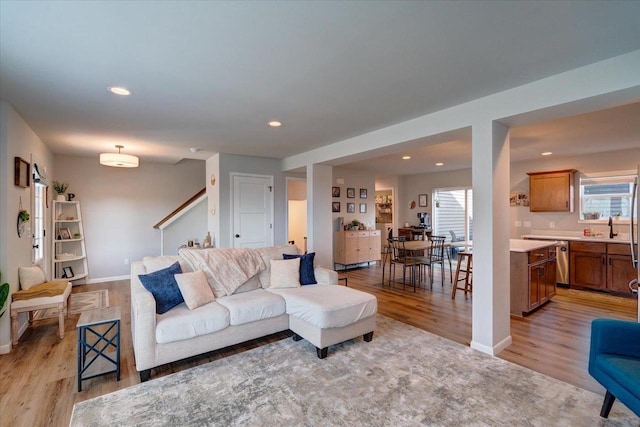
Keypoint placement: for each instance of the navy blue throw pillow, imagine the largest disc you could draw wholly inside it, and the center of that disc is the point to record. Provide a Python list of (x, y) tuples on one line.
[(307, 277), (162, 284)]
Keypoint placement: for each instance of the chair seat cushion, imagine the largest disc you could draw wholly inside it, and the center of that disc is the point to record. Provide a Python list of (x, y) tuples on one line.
[(23, 305), (252, 306), (326, 306), (180, 323), (624, 370)]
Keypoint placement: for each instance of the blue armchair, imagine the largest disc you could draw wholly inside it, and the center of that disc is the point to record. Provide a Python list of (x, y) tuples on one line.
[(614, 361)]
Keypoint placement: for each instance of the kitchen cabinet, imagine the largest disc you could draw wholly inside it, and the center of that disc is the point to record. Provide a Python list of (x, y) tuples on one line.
[(533, 279), (551, 191), (356, 247), (601, 266)]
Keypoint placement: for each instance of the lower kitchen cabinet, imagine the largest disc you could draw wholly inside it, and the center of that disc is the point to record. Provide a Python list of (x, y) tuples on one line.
[(601, 266), (533, 279)]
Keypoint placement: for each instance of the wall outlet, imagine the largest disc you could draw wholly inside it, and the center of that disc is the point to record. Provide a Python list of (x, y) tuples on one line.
[(126, 261), (552, 224), (518, 223), (527, 224)]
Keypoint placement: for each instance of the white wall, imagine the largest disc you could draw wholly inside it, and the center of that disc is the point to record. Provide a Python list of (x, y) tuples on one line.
[(358, 179), (16, 139), (191, 225), (231, 163), (120, 206), (297, 217), (412, 185), (601, 162)]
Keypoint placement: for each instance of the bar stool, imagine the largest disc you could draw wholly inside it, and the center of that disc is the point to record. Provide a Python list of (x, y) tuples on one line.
[(466, 257)]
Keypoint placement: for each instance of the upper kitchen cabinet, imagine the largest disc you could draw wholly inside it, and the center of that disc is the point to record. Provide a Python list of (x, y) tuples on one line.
[(551, 191)]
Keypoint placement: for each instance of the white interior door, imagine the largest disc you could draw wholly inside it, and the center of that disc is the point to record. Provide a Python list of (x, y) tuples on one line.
[(252, 211)]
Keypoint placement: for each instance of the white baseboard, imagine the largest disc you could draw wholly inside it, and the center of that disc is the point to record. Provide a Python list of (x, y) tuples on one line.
[(108, 279), (492, 350), (6, 348)]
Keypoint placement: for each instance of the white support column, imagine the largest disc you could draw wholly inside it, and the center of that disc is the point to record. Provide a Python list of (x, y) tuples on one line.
[(319, 216), (491, 300)]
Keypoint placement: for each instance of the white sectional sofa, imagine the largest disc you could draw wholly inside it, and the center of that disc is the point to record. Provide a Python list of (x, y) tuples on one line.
[(324, 314)]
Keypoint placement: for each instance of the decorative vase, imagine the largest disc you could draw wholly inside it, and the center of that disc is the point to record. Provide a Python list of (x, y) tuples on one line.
[(61, 198)]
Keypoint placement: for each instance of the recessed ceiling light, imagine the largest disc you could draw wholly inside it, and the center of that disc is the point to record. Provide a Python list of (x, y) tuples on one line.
[(119, 91), (547, 153), (439, 164), (275, 124), (406, 157)]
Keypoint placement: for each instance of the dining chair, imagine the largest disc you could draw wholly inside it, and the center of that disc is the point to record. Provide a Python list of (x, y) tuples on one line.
[(401, 256), (387, 252), (434, 256)]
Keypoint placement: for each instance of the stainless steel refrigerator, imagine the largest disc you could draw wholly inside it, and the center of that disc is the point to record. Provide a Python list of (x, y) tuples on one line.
[(633, 236)]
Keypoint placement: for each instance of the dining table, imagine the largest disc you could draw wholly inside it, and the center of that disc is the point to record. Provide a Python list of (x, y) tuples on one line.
[(422, 246)]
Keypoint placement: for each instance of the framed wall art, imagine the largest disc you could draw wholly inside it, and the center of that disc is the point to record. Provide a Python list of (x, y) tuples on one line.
[(351, 193), (363, 208), (422, 200), (351, 208), (21, 172), (363, 193), (335, 207), (335, 191)]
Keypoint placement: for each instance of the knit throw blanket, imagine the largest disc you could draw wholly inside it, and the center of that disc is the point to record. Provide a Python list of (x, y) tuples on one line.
[(226, 268), (46, 289)]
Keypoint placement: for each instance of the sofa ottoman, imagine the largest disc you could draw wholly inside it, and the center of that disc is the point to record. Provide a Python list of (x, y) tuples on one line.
[(327, 315)]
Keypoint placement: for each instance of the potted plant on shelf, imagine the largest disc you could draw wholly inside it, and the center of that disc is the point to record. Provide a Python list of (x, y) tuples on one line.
[(61, 188)]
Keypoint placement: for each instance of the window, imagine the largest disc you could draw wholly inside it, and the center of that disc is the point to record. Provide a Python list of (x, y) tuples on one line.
[(39, 201), (605, 195), (453, 212)]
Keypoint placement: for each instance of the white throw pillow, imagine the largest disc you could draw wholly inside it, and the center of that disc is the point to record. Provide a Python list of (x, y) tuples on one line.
[(194, 289), (269, 253), (285, 273), (30, 276)]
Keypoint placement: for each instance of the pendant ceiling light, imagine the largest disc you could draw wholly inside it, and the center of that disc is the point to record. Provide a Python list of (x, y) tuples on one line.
[(118, 160)]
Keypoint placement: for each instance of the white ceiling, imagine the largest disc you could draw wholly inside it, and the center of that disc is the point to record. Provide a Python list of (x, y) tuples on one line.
[(210, 75), (613, 129)]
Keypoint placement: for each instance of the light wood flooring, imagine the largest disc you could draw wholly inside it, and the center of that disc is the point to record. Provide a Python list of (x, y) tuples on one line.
[(38, 378)]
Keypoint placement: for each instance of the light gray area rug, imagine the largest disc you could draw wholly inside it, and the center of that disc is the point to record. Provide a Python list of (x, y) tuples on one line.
[(404, 377)]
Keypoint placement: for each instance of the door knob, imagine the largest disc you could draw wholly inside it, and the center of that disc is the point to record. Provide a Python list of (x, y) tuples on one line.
[(237, 235)]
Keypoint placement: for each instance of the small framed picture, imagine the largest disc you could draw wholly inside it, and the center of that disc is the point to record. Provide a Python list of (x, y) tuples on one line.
[(422, 200), (65, 233), (351, 193), (67, 273), (351, 208), (363, 193), (363, 208), (335, 207), (335, 191)]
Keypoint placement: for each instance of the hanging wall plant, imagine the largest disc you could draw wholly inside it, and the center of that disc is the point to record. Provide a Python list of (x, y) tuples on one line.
[(23, 218)]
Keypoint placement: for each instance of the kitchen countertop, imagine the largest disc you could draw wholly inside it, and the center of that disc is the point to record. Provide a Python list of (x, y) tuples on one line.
[(519, 245), (580, 238)]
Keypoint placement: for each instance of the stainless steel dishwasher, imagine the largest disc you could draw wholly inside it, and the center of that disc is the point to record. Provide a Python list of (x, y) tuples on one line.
[(562, 262)]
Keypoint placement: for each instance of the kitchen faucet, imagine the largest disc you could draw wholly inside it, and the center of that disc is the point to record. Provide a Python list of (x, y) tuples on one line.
[(611, 233)]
